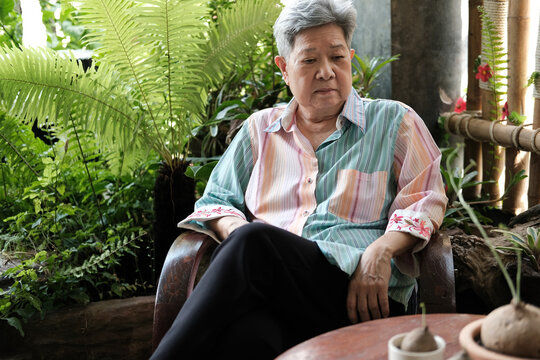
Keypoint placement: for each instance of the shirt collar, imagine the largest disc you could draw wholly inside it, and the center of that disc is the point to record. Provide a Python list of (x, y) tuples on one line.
[(353, 111)]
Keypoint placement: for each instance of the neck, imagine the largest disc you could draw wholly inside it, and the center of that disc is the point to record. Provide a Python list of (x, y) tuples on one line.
[(316, 130)]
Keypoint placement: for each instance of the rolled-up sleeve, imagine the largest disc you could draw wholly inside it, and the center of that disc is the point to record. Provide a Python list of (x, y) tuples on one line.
[(420, 203), (224, 193)]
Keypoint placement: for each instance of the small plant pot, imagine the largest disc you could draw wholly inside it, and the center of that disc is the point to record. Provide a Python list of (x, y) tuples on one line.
[(468, 339), (395, 353)]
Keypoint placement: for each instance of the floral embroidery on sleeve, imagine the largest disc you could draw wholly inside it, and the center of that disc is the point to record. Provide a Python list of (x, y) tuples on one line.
[(417, 224), (213, 212)]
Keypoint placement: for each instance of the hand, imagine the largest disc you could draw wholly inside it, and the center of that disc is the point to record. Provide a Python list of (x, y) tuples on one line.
[(368, 286), (225, 225)]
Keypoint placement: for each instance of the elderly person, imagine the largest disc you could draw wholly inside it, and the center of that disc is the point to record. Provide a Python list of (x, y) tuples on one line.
[(319, 206)]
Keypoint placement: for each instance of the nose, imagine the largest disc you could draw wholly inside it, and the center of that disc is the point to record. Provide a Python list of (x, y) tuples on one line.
[(325, 71)]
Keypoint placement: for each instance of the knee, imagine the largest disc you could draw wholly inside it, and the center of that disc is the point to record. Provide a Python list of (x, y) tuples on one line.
[(246, 239), (249, 231)]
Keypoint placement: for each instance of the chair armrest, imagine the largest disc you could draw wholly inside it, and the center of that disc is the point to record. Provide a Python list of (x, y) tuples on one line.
[(177, 279), (436, 283)]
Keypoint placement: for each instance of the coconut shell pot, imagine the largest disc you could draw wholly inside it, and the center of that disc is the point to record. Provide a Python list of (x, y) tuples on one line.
[(469, 340)]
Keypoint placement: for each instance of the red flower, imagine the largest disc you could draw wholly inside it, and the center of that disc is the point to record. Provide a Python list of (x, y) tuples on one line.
[(461, 105), (484, 73), (505, 113)]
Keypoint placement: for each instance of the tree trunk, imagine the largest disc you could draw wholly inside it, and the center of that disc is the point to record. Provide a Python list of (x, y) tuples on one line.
[(174, 197)]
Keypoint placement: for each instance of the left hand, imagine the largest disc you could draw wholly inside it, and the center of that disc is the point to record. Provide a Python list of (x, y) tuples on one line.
[(368, 286)]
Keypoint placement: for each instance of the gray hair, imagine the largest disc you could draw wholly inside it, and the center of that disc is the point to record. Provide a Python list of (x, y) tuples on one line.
[(300, 15)]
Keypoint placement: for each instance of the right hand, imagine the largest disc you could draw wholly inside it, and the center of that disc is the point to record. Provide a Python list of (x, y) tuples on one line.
[(225, 225)]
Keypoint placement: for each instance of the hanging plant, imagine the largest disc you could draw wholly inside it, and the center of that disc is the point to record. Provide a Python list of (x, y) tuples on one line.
[(491, 72)]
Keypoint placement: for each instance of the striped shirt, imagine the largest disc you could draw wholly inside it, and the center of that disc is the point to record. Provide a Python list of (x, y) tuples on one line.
[(379, 171)]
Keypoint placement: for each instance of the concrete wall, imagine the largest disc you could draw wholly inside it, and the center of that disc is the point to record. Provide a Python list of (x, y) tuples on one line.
[(429, 37), (373, 38)]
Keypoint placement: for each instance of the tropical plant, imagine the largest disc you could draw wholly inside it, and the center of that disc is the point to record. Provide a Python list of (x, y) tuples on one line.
[(511, 329), (63, 28), (10, 24), (156, 63), (456, 214), (72, 230), (530, 245), (367, 71), (496, 63)]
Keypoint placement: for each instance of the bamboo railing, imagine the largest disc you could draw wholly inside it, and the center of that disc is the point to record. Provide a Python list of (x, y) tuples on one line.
[(490, 142)]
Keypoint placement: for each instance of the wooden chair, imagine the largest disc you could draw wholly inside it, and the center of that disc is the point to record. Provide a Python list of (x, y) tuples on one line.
[(190, 254)]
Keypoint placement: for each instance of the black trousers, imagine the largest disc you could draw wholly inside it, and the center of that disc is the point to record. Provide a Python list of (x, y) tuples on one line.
[(265, 291)]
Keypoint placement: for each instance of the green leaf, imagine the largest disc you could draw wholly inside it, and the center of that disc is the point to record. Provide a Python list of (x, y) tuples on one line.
[(534, 76), (6, 6), (16, 323), (34, 301), (517, 119)]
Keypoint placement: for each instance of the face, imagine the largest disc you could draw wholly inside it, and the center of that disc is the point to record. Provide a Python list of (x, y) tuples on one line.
[(318, 70)]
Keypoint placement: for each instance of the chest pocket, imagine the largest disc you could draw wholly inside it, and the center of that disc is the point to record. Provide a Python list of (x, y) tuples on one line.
[(358, 196)]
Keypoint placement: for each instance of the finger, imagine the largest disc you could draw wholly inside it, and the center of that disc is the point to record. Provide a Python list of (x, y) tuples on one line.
[(384, 305), (351, 306), (374, 306), (362, 307)]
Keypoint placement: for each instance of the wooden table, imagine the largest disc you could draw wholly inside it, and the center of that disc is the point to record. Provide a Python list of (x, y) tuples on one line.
[(369, 340)]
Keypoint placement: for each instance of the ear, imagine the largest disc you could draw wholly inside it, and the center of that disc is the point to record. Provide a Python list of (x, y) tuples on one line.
[(282, 65), (352, 53)]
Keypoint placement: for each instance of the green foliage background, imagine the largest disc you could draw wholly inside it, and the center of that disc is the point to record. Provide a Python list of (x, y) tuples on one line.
[(76, 222)]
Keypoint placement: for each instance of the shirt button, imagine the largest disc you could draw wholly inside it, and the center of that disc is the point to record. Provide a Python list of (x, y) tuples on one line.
[(305, 213), (310, 181)]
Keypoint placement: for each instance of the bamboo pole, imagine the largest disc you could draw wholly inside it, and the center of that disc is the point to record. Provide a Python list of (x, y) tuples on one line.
[(534, 177), (518, 39), (473, 149), (483, 130), (493, 155)]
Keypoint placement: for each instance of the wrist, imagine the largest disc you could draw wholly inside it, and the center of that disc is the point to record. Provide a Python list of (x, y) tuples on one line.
[(395, 243), (225, 225)]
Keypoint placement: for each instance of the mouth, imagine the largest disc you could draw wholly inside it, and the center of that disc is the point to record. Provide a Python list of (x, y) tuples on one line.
[(324, 90)]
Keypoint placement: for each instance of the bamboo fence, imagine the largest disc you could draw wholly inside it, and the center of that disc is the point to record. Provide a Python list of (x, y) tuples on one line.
[(490, 142)]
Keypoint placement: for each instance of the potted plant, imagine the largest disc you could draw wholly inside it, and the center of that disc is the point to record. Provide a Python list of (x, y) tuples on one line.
[(156, 61), (418, 343), (510, 331)]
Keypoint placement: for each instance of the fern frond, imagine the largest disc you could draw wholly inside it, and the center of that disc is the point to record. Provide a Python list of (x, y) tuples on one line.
[(494, 53), (233, 36), (47, 86), (110, 252), (114, 33), (176, 29), (19, 148)]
